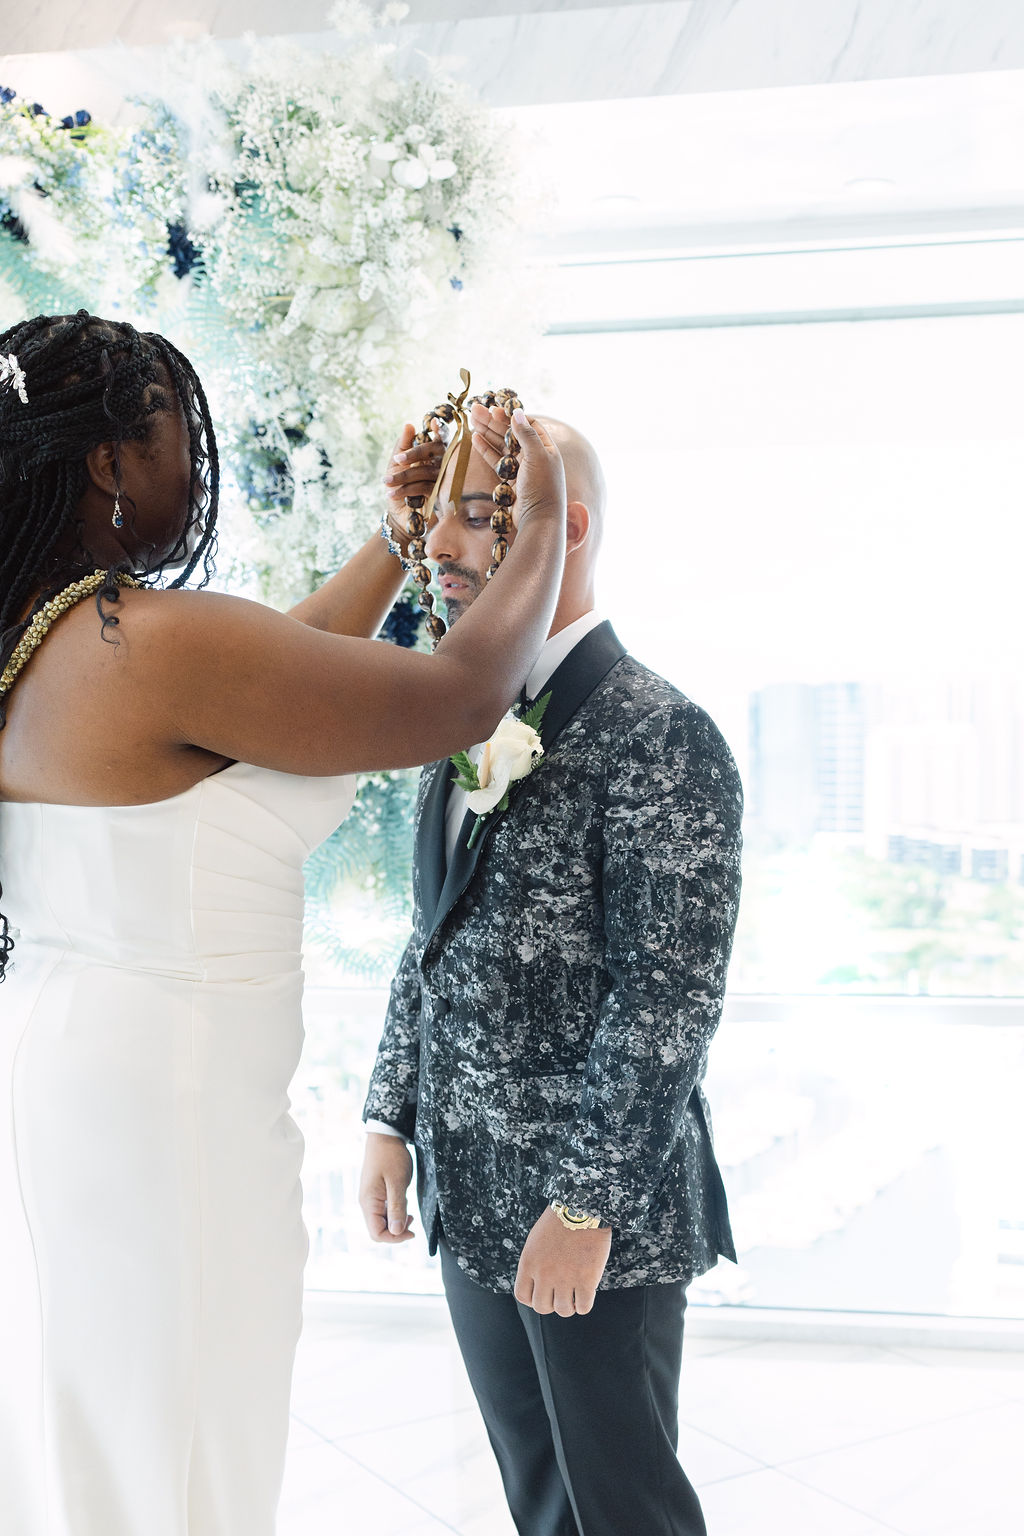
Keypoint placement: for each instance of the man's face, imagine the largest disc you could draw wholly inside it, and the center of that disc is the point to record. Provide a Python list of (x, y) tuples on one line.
[(460, 540)]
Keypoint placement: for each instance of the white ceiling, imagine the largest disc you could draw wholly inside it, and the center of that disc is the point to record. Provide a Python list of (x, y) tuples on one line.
[(653, 123), (531, 51)]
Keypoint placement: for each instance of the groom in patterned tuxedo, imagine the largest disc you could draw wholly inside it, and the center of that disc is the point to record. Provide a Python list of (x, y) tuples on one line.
[(544, 1048)]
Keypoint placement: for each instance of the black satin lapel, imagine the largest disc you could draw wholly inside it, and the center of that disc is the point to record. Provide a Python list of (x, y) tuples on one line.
[(430, 860), (461, 868), (586, 665)]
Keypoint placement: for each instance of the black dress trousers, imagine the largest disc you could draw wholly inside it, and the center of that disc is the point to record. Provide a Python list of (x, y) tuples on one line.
[(582, 1412)]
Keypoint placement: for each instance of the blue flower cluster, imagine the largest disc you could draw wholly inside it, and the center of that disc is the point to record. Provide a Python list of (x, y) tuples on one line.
[(181, 250), (403, 623), (12, 225), (80, 119), (456, 234)]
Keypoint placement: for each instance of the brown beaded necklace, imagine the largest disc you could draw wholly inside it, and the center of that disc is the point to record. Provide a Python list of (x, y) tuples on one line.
[(449, 423), (48, 614)]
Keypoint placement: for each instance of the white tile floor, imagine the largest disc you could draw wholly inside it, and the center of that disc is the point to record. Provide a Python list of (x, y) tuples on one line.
[(793, 1439)]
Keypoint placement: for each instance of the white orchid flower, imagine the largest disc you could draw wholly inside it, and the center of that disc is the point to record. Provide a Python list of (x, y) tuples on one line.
[(410, 174)]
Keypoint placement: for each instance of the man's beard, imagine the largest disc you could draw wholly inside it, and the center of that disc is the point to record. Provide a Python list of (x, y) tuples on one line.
[(455, 607)]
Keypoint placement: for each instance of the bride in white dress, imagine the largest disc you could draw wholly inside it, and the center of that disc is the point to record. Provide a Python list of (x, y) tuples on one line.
[(166, 765)]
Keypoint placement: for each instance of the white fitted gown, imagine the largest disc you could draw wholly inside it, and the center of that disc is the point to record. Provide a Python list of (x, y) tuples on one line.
[(151, 1239)]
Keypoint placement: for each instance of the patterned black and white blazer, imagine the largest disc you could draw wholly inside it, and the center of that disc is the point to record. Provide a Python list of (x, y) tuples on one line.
[(549, 1023)]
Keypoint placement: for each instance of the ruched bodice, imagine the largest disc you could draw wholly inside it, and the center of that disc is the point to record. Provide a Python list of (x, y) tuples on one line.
[(206, 885), (150, 1207)]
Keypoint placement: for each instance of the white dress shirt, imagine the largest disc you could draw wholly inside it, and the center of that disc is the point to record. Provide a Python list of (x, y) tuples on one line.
[(553, 652)]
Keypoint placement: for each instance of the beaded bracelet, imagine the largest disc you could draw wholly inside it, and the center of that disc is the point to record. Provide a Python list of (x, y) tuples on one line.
[(387, 533)]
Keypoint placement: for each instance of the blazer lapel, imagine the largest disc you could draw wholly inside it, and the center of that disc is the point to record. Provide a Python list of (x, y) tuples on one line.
[(586, 665), (572, 683), (430, 841)]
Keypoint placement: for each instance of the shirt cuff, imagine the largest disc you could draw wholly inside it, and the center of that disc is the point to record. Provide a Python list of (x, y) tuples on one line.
[(383, 1129)]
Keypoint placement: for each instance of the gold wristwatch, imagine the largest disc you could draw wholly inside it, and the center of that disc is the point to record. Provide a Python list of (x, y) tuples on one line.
[(576, 1221)]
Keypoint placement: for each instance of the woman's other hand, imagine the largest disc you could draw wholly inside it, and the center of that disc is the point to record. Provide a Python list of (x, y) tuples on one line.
[(540, 483)]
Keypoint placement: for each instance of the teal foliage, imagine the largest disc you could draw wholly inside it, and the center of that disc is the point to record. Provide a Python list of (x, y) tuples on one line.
[(25, 289), (366, 863)]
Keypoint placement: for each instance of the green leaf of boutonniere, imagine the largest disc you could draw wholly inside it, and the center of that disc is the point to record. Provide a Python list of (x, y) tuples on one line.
[(466, 776), (535, 714)]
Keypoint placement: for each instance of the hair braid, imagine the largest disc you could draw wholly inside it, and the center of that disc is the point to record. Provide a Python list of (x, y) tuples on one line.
[(88, 381)]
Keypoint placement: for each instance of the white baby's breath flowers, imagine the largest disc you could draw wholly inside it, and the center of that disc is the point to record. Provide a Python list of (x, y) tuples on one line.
[(342, 237), (15, 171)]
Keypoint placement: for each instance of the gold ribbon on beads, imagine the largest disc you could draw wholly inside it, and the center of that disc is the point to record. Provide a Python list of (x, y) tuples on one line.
[(459, 447)]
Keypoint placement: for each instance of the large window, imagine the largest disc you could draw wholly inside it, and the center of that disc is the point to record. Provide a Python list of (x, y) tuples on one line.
[(814, 531)]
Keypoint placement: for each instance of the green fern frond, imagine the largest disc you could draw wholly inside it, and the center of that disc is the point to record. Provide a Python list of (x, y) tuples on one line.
[(535, 714)]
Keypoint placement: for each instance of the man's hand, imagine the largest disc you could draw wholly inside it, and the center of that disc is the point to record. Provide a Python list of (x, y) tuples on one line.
[(386, 1175), (412, 470), (559, 1271)]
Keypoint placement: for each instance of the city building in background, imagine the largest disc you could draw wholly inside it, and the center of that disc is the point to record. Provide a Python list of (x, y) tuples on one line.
[(806, 775), (910, 795)]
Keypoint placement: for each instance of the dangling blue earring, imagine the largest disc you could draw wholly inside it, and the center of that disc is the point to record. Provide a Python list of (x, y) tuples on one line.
[(118, 517)]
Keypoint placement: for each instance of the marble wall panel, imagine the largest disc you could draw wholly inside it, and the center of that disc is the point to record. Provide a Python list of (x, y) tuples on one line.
[(538, 51)]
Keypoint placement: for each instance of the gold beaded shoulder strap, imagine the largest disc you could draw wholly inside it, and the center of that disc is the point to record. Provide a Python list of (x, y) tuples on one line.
[(449, 423), (48, 615)]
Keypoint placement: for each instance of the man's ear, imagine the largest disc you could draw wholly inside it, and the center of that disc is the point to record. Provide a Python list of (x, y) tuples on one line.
[(101, 463), (577, 525)]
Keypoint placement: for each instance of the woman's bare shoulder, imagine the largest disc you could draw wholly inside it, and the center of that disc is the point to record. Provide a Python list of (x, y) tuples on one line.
[(172, 626), (167, 607)]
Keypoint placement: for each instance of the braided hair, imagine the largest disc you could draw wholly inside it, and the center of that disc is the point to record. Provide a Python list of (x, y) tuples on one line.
[(87, 381)]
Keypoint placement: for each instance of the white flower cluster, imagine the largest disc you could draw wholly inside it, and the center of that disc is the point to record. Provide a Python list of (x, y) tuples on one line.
[(48, 179), (343, 212), (328, 236)]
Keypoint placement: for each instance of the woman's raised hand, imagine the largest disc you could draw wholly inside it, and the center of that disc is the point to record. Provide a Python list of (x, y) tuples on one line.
[(540, 483), (412, 470)]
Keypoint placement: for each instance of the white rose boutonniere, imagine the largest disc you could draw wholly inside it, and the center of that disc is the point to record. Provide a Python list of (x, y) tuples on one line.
[(509, 756)]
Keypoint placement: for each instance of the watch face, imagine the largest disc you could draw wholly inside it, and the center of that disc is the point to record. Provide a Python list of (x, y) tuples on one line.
[(574, 1218)]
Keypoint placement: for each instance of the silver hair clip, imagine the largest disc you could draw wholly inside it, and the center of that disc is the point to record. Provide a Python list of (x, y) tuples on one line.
[(13, 375)]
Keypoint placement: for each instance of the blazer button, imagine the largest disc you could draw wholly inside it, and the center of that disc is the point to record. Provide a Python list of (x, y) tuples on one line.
[(442, 1007)]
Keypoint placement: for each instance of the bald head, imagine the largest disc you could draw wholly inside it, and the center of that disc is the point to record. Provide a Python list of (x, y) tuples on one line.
[(584, 477), (461, 537)]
